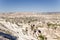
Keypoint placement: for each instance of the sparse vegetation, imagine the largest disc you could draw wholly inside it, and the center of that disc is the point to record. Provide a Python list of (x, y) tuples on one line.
[(42, 37), (30, 26)]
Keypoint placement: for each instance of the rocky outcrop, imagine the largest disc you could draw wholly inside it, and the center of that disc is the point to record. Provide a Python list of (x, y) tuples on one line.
[(31, 27)]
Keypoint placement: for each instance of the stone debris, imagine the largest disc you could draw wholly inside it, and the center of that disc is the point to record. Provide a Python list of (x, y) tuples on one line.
[(41, 27)]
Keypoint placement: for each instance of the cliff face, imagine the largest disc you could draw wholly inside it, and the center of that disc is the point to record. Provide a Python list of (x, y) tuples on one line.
[(31, 26)]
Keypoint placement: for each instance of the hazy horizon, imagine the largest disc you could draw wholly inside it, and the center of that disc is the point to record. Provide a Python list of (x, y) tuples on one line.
[(29, 5)]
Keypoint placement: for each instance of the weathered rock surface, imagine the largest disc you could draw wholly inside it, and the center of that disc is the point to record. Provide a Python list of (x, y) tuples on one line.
[(31, 26)]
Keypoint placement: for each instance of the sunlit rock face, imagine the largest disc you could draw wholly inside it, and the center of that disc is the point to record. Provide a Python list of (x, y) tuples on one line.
[(31, 26)]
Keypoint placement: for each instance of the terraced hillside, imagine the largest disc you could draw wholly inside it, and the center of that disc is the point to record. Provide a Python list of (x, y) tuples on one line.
[(30, 26)]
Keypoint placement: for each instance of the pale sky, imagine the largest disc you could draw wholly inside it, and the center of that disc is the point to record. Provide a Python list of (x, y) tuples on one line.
[(29, 5)]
